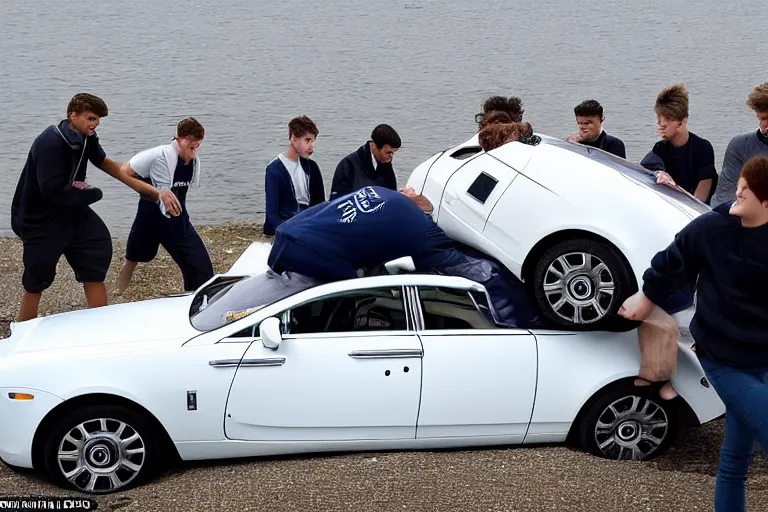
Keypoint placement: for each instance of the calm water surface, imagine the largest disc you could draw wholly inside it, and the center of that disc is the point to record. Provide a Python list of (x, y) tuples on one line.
[(245, 67)]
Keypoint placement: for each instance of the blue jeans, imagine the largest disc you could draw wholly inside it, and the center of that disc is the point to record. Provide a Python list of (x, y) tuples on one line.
[(745, 395)]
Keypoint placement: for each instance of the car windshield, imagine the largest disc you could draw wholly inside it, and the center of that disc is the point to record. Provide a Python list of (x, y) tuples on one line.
[(232, 298), (634, 172)]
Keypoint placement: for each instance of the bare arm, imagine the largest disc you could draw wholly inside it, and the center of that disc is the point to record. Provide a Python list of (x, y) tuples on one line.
[(702, 190), (128, 176)]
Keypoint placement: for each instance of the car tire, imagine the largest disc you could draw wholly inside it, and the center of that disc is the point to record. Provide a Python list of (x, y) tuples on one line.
[(628, 423), (121, 450), (580, 298)]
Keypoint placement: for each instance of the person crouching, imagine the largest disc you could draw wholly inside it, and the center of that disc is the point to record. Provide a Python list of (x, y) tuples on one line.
[(176, 167)]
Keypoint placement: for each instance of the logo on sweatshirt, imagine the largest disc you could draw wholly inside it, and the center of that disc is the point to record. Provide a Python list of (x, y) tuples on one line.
[(366, 200)]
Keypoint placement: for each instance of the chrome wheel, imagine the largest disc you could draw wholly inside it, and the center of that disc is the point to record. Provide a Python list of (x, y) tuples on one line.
[(579, 287), (101, 455), (631, 428)]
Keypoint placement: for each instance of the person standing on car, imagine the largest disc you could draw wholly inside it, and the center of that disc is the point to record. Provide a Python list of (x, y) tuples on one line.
[(686, 157), (589, 118), (173, 167), (292, 181), (50, 210), (743, 147), (370, 165), (723, 252)]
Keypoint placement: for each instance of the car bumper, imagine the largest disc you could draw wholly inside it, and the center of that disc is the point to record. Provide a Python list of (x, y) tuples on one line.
[(20, 419)]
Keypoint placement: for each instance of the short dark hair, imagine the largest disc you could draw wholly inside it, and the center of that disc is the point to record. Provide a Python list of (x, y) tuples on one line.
[(672, 102), (84, 102), (301, 125), (190, 127), (384, 134), (589, 108), (755, 173)]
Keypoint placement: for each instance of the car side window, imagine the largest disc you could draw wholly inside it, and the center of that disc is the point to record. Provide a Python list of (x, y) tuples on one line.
[(453, 308), (375, 309)]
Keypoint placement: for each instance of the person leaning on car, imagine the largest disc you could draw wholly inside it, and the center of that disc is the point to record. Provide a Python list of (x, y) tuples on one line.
[(589, 118), (371, 164), (365, 229)]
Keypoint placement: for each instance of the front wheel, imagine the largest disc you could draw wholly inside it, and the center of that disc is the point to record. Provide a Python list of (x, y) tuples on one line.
[(101, 449), (629, 423), (581, 283)]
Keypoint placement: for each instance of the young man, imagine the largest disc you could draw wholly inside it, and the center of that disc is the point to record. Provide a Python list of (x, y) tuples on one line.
[(589, 118), (723, 253), (50, 210), (687, 158), (173, 167), (361, 231), (370, 165), (743, 147), (293, 182)]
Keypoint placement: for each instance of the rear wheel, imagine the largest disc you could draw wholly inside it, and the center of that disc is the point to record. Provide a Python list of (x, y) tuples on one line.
[(628, 423), (581, 283), (101, 449)]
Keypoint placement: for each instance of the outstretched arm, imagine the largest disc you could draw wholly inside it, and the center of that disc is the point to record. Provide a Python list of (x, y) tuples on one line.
[(128, 176)]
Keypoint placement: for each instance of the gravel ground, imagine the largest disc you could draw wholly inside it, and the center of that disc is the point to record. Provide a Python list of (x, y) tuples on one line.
[(540, 478)]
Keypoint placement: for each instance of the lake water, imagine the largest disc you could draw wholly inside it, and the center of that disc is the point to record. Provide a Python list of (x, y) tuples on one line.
[(244, 68)]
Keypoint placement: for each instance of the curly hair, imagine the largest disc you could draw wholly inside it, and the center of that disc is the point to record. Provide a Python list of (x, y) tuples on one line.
[(495, 117), (513, 106), (758, 98), (496, 135), (672, 102)]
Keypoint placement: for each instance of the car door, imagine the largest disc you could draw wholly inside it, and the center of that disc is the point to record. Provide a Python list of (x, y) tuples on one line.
[(471, 194), (348, 368), (478, 379)]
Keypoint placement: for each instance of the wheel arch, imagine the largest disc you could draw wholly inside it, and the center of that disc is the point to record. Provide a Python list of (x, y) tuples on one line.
[(549, 241), (684, 413), (64, 408)]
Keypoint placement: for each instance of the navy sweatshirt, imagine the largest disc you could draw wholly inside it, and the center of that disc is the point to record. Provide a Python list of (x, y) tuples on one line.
[(359, 231), (280, 193), (729, 261), (44, 195), (356, 171), (608, 143)]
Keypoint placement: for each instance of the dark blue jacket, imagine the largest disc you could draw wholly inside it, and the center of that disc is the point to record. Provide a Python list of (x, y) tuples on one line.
[(726, 262), (356, 171), (45, 198), (608, 143), (281, 196)]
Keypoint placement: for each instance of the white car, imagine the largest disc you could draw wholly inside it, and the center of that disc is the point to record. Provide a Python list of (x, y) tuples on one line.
[(98, 398), (578, 225)]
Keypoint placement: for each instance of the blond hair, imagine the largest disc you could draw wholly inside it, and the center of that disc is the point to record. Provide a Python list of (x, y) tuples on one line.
[(672, 102)]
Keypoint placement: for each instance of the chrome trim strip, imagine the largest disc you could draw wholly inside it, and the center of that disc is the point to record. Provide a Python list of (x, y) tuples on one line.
[(232, 363), (396, 353), (224, 363), (267, 361), (418, 311)]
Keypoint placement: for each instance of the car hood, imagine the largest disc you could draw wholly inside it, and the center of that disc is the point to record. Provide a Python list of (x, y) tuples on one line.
[(157, 322)]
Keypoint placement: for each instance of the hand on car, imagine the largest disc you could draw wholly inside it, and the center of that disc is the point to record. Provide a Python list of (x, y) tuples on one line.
[(575, 137), (170, 201), (663, 178), (637, 307)]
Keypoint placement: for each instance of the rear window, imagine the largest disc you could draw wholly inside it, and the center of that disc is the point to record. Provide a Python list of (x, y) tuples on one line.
[(634, 172)]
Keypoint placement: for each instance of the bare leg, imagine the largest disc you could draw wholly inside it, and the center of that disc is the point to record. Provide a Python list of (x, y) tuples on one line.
[(30, 303), (126, 273), (95, 294)]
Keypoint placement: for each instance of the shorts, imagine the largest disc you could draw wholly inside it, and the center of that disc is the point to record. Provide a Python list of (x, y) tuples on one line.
[(83, 239)]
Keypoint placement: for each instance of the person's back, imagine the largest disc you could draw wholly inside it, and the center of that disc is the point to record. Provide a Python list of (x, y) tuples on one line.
[(349, 233)]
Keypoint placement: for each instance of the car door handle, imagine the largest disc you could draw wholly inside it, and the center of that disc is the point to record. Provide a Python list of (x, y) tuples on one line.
[(229, 363), (394, 353)]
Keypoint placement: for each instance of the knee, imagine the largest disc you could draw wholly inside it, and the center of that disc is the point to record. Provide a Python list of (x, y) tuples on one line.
[(734, 464)]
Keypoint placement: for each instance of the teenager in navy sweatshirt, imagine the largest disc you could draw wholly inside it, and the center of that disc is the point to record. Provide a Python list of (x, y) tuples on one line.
[(367, 228), (50, 210), (293, 182), (724, 253)]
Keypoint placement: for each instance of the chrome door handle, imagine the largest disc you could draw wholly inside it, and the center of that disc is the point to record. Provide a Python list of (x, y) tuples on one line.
[(229, 363), (395, 353)]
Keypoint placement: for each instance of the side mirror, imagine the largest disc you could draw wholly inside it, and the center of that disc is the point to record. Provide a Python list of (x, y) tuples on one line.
[(270, 332)]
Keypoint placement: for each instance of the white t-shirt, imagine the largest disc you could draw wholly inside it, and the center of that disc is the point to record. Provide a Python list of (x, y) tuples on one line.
[(299, 178)]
